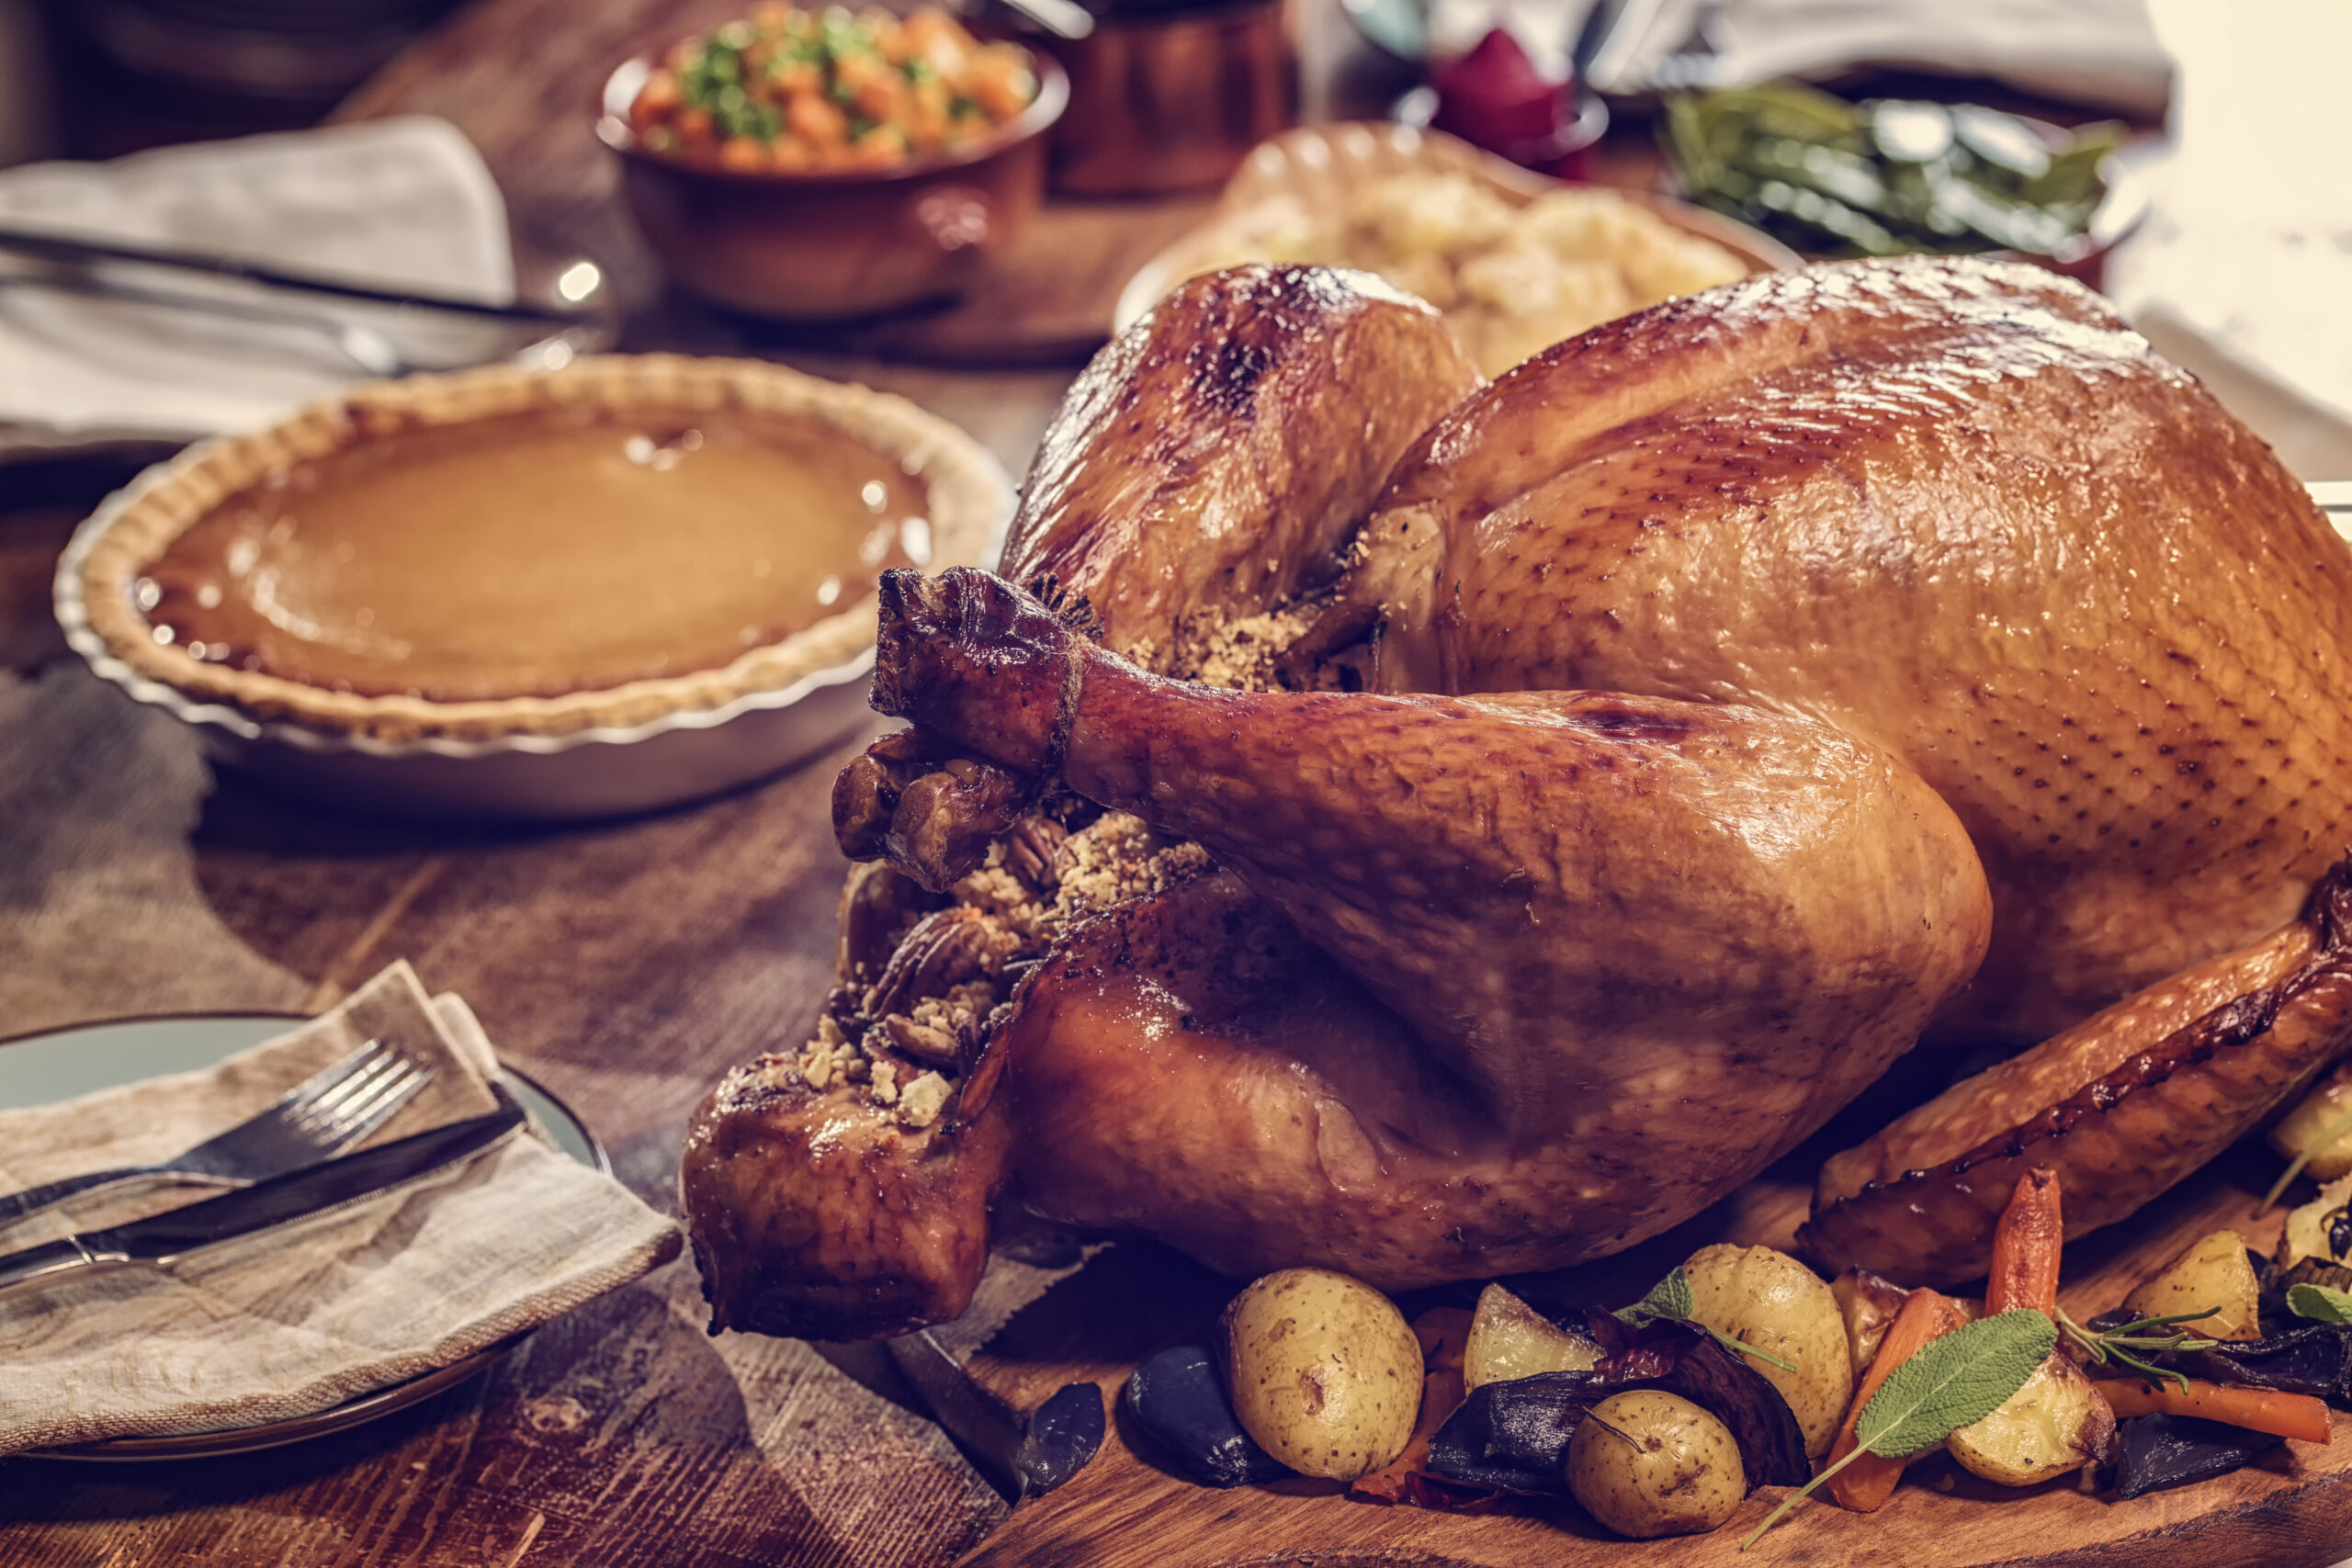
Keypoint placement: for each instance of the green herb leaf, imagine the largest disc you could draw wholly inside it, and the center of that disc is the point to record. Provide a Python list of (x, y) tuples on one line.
[(2320, 1302), (1951, 1381), (1671, 1298), (1955, 1382), (2118, 1344)]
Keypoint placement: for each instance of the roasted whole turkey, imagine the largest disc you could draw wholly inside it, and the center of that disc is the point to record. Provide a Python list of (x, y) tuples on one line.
[(1434, 830)]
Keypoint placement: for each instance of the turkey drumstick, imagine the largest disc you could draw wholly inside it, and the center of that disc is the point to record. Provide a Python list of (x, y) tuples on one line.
[(1586, 906)]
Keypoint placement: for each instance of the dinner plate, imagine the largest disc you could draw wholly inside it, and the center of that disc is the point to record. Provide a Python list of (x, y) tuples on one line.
[(41, 1070)]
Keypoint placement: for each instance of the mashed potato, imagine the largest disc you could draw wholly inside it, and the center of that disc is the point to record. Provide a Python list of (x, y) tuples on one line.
[(1512, 280)]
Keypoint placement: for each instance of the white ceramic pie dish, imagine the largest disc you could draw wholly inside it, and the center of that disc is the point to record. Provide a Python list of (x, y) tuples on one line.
[(598, 771)]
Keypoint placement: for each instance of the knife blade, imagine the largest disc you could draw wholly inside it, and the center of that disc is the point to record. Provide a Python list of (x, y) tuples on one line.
[(164, 1238)]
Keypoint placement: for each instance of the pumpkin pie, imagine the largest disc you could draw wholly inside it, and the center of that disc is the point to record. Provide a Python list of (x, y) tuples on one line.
[(500, 552)]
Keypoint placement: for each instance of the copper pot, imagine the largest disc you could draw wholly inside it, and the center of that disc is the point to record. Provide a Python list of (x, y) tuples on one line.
[(1171, 102), (816, 247)]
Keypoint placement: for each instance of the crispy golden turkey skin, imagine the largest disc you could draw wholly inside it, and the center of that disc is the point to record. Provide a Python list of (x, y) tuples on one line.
[(1695, 717)]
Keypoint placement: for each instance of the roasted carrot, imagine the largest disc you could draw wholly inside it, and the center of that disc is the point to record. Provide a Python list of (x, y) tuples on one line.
[(2297, 1416), (1445, 1334), (1441, 1396), (1869, 1480), (2025, 1244)]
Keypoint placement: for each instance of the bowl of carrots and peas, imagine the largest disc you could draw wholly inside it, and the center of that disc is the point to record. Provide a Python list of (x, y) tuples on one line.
[(824, 165)]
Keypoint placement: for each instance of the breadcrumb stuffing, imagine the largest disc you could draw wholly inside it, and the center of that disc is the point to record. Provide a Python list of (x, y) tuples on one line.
[(1111, 860), (1036, 884), (1117, 861), (829, 1057), (921, 1101), (1242, 653)]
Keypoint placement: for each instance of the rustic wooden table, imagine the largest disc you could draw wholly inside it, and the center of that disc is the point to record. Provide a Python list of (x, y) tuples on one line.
[(624, 965)]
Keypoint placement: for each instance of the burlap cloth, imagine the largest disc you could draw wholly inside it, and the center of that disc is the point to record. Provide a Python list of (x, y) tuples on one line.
[(303, 1317)]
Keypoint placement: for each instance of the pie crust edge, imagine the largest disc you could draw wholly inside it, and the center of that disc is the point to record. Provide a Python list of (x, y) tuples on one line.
[(969, 502)]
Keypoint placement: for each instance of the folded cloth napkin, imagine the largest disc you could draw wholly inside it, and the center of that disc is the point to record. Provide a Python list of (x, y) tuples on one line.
[(2101, 53), (299, 1319), (403, 203)]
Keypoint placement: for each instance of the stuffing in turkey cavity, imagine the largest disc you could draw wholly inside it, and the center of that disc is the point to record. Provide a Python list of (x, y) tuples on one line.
[(901, 1038)]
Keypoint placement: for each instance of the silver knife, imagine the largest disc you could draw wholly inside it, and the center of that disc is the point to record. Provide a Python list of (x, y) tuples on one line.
[(163, 1238)]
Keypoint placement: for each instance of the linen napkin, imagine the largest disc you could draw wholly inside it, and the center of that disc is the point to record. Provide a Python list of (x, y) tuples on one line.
[(403, 203), (301, 1318)]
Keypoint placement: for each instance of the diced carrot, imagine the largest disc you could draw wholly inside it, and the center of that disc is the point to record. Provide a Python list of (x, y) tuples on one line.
[(817, 120), (1870, 1480), (1441, 1396), (661, 94), (2282, 1415), (998, 79), (1445, 1334), (2026, 1245)]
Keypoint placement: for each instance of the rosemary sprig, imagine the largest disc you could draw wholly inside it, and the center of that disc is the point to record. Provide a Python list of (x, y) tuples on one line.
[(2118, 1344)]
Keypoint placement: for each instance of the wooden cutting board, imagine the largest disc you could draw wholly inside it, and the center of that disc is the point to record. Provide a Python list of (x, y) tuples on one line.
[(1036, 1329)]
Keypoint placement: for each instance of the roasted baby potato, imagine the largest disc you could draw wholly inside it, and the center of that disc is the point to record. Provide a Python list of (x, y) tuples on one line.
[(1769, 1299), (1324, 1371), (2056, 1424), (2214, 1272), (2329, 1104), (1868, 1304), (1510, 1339), (1647, 1463)]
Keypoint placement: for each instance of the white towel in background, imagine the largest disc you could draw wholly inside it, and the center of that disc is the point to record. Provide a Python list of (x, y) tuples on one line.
[(403, 203)]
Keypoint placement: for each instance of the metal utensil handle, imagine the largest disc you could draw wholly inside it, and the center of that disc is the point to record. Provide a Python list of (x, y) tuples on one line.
[(33, 1199), (371, 351), (49, 1259), (70, 248)]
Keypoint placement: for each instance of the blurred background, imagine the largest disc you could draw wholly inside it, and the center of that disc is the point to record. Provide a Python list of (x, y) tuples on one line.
[(2223, 224)]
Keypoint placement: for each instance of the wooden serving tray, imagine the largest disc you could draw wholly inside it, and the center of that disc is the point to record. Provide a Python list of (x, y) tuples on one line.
[(1129, 1509)]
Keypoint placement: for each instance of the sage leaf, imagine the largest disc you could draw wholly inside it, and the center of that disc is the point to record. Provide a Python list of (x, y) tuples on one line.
[(1671, 1299), (1955, 1381), (2321, 1304), (1951, 1381)]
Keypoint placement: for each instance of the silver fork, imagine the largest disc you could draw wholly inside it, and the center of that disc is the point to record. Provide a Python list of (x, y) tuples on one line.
[(318, 1119)]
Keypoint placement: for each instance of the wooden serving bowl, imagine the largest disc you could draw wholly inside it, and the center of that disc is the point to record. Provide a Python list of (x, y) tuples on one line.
[(833, 245), (1316, 170)]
